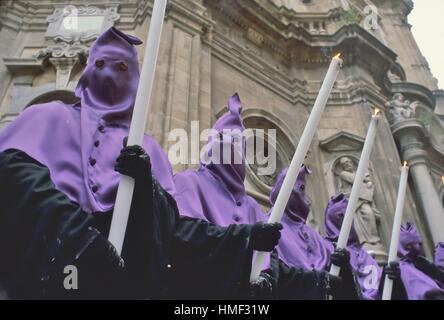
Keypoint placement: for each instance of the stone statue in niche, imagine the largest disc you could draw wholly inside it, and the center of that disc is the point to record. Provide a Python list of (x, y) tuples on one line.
[(400, 108), (365, 221), (393, 77)]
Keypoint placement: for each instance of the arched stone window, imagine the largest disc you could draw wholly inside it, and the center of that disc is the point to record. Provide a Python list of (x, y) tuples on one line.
[(276, 143)]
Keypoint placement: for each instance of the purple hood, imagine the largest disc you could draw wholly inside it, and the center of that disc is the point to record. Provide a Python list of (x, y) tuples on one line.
[(418, 285), (365, 269), (300, 245), (80, 143)]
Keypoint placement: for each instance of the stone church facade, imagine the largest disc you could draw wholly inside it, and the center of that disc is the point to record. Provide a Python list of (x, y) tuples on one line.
[(275, 54)]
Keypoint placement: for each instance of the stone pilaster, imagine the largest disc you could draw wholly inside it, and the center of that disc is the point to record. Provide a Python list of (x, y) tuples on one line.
[(410, 135)]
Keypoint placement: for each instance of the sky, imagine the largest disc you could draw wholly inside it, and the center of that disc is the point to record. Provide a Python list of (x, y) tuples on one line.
[(427, 19)]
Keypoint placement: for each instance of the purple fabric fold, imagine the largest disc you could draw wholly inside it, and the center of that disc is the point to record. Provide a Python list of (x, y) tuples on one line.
[(300, 245), (418, 285), (439, 256), (366, 271), (80, 143)]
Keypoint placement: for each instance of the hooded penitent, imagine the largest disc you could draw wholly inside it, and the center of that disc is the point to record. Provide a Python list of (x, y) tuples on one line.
[(300, 245), (214, 233), (82, 142), (215, 192), (417, 284), (366, 270), (439, 256)]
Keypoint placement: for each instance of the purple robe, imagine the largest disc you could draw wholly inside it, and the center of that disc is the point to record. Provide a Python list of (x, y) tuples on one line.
[(417, 284), (215, 192), (300, 245), (79, 143), (365, 269), (439, 256)]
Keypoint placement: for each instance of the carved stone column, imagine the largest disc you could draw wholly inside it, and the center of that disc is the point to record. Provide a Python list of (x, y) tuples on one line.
[(410, 135)]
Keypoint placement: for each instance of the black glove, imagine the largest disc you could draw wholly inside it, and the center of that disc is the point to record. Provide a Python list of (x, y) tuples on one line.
[(429, 268), (340, 258), (262, 288), (134, 162), (334, 285), (392, 270), (265, 236), (101, 274)]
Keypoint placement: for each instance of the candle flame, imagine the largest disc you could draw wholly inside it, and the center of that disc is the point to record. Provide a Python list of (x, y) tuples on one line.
[(442, 179), (377, 111), (405, 164), (338, 56)]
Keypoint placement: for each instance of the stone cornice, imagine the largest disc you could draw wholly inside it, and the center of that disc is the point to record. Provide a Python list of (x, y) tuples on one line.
[(270, 6), (400, 128), (297, 46), (24, 66)]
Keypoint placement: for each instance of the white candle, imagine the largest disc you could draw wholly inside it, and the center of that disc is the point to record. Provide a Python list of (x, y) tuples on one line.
[(393, 253), (299, 156), (354, 196), (138, 123)]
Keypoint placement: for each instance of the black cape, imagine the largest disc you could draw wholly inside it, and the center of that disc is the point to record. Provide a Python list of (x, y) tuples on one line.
[(42, 232)]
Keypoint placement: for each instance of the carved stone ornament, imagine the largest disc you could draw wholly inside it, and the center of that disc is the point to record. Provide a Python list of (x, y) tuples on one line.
[(63, 50), (400, 108), (80, 24)]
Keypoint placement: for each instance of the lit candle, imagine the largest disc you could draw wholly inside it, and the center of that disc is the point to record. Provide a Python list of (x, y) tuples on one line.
[(126, 187), (299, 156), (354, 196), (396, 230)]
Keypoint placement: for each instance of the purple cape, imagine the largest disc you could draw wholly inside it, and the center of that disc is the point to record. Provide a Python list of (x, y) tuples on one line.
[(80, 143), (418, 285), (362, 264), (300, 245), (216, 192)]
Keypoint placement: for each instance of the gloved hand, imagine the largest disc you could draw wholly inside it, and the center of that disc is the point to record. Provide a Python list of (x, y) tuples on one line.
[(262, 288), (101, 272), (134, 162), (392, 270), (334, 286), (265, 236), (340, 258)]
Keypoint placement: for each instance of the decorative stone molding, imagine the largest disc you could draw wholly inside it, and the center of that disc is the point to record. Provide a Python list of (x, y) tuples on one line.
[(63, 57), (66, 23), (63, 50), (255, 36), (341, 142), (18, 66)]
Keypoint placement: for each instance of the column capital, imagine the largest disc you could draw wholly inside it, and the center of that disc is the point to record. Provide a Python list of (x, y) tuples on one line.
[(415, 156)]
